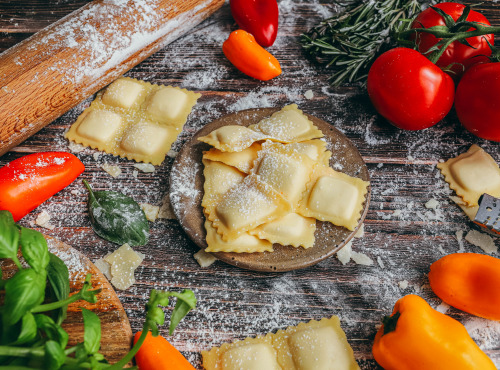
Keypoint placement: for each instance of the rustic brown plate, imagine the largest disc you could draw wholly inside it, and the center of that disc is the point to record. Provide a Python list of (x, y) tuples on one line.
[(115, 327), (186, 192)]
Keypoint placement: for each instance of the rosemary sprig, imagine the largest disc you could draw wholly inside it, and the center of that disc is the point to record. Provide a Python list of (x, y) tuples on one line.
[(349, 43)]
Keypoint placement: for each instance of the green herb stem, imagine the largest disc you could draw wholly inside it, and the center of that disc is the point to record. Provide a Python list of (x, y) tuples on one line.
[(55, 305), (129, 356), (21, 351)]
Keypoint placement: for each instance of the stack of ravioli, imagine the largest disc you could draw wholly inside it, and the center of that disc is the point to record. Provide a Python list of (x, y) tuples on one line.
[(269, 182)]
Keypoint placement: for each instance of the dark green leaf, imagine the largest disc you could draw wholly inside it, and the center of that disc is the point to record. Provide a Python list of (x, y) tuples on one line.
[(448, 20), (92, 333), (186, 301), (34, 249), (58, 288), (464, 15), (9, 236), (54, 355), (117, 217), (51, 330), (25, 290), (28, 329)]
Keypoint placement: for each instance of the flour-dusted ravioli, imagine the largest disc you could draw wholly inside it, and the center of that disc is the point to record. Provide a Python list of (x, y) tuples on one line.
[(314, 149), (245, 243), (134, 119), (470, 211), (288, 174), (232, 138), (334, 197), (288, 125), (249, 354), (246, 206), (472, 174), (317, 345), (219, 178), (292, 229), (124, 93), (242, 160)]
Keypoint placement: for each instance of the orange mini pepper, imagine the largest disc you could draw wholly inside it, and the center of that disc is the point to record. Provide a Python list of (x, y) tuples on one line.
[(469, 282), (156, 353), (417, 337), (249, 57)]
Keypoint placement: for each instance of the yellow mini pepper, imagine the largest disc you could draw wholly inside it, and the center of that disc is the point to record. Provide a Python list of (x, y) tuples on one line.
[(417, 337), (249, 57)]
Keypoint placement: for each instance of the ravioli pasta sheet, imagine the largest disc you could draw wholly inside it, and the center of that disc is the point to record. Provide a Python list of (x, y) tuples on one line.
[(316, 345), (242, 160), (314, 149), (134, 119), (472, 174)]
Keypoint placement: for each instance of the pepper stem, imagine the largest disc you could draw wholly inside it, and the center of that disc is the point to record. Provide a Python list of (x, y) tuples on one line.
[(390, 322)]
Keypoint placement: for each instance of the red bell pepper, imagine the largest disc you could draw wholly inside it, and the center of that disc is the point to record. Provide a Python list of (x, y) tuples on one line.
[(258, 17), (27, 182)]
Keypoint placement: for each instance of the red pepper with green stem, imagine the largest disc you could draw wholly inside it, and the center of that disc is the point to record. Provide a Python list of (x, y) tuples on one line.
[(27, 182), (258, 17)]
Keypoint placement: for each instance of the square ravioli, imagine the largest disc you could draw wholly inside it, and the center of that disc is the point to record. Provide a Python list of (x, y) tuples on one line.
[(147, 140), (315, 149), (100, 127), (123, 93), (242, 160), (219, 178), (289, 125), (316, 345), (287, 174), (246, 206), (334, 197), (292, 229), (472, 174), (130, 107), (232, 138), (245, 243), (170, 105)]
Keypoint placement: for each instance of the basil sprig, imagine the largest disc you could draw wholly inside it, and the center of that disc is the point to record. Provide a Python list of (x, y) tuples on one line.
[(35, 304), (117, 217)]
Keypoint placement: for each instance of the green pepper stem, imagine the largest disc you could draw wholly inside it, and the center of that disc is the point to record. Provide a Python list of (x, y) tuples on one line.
[(390, 322)]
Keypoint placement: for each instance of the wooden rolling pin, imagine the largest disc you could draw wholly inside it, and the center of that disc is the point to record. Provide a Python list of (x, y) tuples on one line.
[(52, 71)]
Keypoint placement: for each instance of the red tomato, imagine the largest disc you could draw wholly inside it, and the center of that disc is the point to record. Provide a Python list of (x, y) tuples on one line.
[(27, 182), (476, 100), (408, 90), (456, 52)]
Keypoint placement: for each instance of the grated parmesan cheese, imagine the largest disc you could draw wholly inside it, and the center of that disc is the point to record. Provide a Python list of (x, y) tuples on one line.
[(204, 259), (123, 263), (43, 220), (145, 167), (482, 240), (113, 170), (150, 211)]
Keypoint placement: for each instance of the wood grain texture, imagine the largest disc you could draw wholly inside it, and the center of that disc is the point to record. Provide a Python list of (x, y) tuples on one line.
[(402, 236), (55, 69), (115, 328)]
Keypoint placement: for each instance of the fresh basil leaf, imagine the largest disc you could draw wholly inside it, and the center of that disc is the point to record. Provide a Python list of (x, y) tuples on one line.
[(28, 330), (23, 291), (9, 236), (54, 355), (34, 249), (58, 288), (51, 330), (92, 331), (117, 217), (186, 301)]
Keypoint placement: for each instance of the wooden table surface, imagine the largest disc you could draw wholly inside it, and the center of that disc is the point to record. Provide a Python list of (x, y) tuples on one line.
[(402, 237)]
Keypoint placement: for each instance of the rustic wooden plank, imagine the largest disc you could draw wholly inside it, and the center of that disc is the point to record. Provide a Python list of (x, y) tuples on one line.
[(234, 303)]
